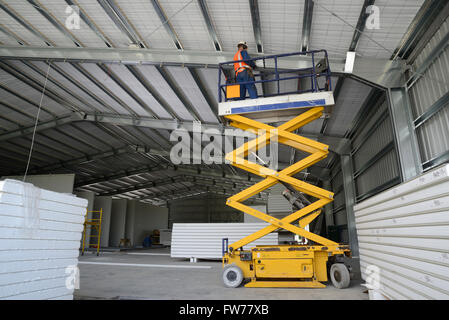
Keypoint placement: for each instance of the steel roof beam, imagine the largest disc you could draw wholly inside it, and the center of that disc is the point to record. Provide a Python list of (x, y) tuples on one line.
[(210, 27), (361, 23), (167, 25), (255, 19), (41, 126), (146, 122), (146, 185), (20, 97), (158, 57), (307, 24), (119, 19), (205, 173)]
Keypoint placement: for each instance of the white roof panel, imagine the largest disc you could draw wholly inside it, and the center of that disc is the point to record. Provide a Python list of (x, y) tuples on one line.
[(97, 14), (189, 24), (193, 93), (153, 76), (7, 21), (75, 74), (232, 20), (69, 85), (40, 23), (331, 33), (29, 92), (7, 40), (281, 24), (84, 34), (126, 76), (147, 23), (395, 18), (30, 73)]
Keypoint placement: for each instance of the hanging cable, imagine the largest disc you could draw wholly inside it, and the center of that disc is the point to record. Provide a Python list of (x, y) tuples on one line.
[(36, 122)]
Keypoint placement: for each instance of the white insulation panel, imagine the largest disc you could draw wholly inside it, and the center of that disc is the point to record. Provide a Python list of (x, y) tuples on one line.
[(40, 233), (204, 240), (404, 232)]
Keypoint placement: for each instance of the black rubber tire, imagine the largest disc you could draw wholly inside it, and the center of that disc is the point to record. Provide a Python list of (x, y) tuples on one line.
[(340, 276), (232, 276)]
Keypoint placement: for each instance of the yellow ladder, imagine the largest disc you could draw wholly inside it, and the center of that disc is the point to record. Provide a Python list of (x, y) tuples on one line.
[(284, 135), (92, 224)]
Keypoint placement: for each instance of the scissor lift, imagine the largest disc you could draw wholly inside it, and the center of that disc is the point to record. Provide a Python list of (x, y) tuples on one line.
[(298, 265)]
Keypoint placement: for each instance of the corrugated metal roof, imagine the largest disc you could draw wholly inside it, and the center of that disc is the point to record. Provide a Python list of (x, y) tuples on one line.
[(395, 17), (69, 87), (353, 95)]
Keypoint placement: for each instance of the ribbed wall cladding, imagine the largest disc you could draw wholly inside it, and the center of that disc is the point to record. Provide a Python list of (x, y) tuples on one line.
[(404, 232), (276, 202), (431, 90), (204, 240), (40, 233)]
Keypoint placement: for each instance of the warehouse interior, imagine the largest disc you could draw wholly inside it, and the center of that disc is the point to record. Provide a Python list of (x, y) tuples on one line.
[(91, 92)]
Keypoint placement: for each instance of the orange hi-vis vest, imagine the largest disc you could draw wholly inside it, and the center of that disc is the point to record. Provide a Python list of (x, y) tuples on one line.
[(239, 66)]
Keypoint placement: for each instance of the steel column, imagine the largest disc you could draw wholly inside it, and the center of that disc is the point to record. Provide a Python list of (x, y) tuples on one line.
[(349, 189), (404, 129)]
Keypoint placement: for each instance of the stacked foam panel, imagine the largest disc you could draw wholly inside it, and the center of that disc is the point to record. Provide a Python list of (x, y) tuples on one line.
[(204, 240), (40, 233), (403, 238)]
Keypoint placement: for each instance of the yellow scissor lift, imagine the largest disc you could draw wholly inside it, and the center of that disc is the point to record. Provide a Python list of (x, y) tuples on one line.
[(299, 265), (92, 224)]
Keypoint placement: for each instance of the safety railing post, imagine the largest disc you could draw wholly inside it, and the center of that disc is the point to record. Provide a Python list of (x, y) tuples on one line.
[(308, 72), (314, 79), (329, 78), (277, 72), (219, 83)]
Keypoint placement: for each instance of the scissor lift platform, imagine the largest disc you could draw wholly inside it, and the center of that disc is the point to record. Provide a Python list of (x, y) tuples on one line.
[(298, 265)]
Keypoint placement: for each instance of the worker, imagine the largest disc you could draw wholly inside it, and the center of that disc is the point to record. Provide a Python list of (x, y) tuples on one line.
[(244, 71)]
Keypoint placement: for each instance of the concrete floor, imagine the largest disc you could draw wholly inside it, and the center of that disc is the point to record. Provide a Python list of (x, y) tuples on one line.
[(103, 281)]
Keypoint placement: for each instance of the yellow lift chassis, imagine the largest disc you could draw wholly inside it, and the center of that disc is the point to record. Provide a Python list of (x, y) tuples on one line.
[(300, 266)]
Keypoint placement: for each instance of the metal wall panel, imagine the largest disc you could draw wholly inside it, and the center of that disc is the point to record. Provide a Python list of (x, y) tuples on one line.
[(276, 202), (373, 152), (426, 94), (378, 174), (204, 240), (404, 233)]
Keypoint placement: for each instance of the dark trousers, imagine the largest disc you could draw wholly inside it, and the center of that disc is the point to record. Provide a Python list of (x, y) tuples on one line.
[(244, 77)]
